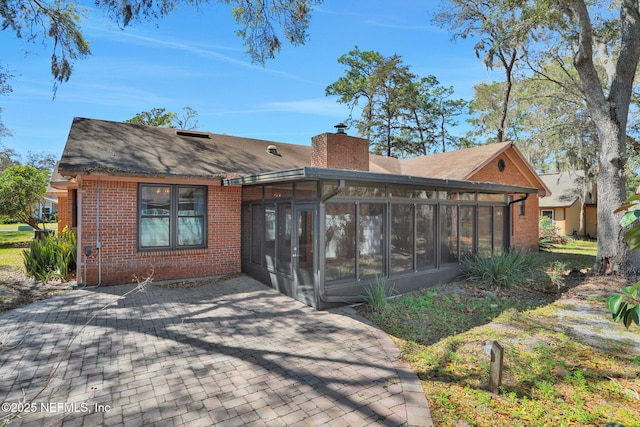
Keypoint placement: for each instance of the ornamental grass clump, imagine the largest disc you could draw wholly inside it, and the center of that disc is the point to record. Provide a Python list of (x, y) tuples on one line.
[(377, 293), (51, 256), (510, 269)]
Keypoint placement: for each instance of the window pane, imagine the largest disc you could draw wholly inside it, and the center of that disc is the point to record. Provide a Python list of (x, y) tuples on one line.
[(449, 234), (270, 236), (190, 231), (363, 190), (401, 238), (467, 229), (284, 238), (485, 231), (155, 208), (279, 191), (306, 189), (155, 200), (425, 235), (245, 233), (498, 230), (251, 193), (411, 192), (371, 237), (257, 235), (191, 201), (154, 232), (340, 241)]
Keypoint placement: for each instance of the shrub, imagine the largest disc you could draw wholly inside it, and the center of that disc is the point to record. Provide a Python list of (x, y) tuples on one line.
[(509, 269), (51, 256), (548, 234), (377, 293)]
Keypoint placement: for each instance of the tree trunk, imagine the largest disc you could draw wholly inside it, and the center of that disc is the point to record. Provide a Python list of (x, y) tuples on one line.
[(614, 254)]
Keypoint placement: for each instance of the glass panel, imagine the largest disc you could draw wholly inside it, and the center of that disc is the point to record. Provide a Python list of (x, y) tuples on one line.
[(401, 238), (485, 231), (467, 229), (284, 239), (498, 230), (191, 218), (190, 231), (306, 189), (329, 187), (489, 197), (154, 232), (340, 241), (155, 200), (278, 191), (257, 235), (245, 233), (411, 192), (270, 236), (155, 209), (425, 236), (251, 193), (454, 195), (304, 264), (371, 235), (449, 234), (363, 190)]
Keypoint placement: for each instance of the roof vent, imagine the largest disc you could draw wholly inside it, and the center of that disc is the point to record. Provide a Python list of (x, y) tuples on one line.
[(193, 134), (273, 150), (341, 128)]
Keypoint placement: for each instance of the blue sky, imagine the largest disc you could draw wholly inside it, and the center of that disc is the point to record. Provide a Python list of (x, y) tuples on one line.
[(195, 59)]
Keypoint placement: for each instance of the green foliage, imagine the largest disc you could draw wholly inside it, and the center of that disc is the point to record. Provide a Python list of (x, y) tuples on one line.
[(625, 307), (377, 293), (21, 187), (548, 234), (509, 269), (51, 256), (403, 115)]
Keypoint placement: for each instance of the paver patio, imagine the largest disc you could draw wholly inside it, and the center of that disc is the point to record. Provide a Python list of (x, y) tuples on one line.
[(227, 354)]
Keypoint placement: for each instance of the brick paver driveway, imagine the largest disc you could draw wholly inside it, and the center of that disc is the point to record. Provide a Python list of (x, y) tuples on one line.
[(226, 354)]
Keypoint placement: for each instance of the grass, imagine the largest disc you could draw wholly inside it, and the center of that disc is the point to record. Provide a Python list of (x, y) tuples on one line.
[(550, 376), (12, 243)]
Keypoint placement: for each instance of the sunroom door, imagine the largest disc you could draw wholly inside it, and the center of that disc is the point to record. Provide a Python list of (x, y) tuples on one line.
[(304, 259)]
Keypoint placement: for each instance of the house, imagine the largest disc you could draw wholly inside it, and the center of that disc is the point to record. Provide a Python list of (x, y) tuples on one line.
[(315, 222), (564, 206), (48, 208)]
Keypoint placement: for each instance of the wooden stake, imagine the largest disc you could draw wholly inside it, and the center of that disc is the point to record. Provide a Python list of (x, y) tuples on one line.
[(495, 371)]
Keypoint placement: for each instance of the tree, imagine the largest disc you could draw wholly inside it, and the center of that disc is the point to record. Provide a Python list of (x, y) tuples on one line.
[(605, 51), (500, 31), (264, 23), (8, 157), (162, 118), (21, 189), (5, 89), (401, 114)]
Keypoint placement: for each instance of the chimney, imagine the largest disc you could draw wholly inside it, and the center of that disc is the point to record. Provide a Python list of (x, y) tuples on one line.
[(339, 151)]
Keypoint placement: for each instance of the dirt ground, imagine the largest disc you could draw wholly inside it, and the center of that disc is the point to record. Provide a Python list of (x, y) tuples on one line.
[(16, 289)]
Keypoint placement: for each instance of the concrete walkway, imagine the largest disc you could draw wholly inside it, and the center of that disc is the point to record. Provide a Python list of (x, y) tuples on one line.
[(227, 354)]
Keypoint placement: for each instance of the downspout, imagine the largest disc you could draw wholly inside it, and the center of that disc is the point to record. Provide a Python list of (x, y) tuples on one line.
[(511, 231), (98, 243), (323, 200)]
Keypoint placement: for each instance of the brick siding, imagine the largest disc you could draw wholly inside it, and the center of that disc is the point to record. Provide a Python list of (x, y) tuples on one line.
[(339, 151), (524, 228), (120, 259)]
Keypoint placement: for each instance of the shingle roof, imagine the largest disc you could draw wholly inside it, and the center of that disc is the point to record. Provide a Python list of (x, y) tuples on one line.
[(565, 189), (127, 149)]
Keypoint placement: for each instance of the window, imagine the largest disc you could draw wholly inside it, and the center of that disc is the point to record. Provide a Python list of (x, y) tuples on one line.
[(547, 213), (171, 216), (521, 208)]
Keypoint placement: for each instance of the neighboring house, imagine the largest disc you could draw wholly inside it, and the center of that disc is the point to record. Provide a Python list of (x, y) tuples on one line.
[(315, 222), (564, 206), (47, 209)]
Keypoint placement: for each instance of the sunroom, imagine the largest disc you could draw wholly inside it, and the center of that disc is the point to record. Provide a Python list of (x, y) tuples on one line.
[(321, 235)]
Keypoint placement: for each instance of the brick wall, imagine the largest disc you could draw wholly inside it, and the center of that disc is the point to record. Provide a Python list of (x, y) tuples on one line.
[(120, 260), (524, 228), (339, 151), (63, 212)]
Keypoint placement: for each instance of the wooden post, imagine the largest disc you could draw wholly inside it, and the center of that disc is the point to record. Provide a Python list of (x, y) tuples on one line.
[(495, 370)]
